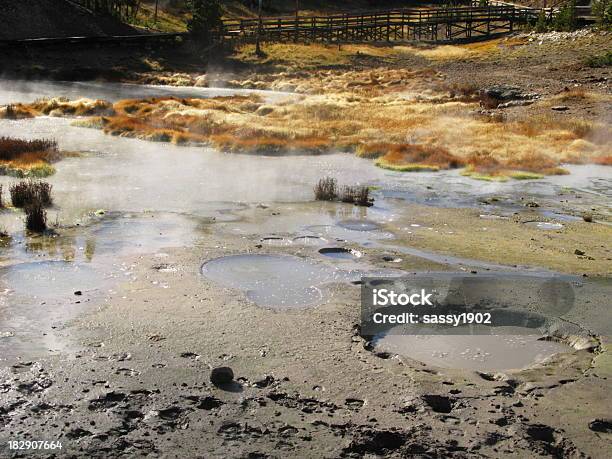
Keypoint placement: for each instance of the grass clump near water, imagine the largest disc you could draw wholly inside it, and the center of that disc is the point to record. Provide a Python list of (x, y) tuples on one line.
[(416, 158), (36, 217), (483, 166), (57, 106), (326, 189), (358, 195), (29, 192), (28, 158)]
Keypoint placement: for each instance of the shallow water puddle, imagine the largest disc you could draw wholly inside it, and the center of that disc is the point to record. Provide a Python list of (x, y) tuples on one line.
[(284, 281), (472, 352), (544, 225), (359, 225), (277, 281), (39, 296), (340, 253), (127, 234)]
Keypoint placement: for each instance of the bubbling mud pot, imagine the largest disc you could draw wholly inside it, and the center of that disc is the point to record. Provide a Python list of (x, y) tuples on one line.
[(275, 281), (340, 253), (483, 353)]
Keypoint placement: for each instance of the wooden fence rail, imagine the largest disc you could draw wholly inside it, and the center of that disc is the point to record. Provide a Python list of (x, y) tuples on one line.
[(418, 24)]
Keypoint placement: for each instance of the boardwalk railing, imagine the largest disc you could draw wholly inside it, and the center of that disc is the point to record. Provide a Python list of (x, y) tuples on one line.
[(390, 25), (404, 24)]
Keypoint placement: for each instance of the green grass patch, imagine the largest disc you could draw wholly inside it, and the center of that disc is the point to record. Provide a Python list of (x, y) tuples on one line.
[(523, 175), (600, 60), (484, 177), (406, 167)]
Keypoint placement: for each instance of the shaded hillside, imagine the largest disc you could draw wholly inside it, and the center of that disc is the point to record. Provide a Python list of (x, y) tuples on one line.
[(173, 15), (22, 19)]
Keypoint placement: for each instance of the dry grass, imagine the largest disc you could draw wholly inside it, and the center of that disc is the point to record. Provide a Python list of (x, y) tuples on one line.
[(28, 157), (406, 120), (483, 166), (413, 157), (57, 106)]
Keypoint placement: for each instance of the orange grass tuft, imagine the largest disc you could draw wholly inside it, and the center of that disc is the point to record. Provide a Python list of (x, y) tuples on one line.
[(426, 155), (603, 160)]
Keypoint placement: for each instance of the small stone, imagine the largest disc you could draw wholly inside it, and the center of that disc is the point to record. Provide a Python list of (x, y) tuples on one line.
[(560, 108), (601, 425), (578, 252), (221, 376), (587, 217), (78, 293)]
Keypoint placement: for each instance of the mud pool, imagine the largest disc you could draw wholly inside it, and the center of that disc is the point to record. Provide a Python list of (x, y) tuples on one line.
[(122, 198)]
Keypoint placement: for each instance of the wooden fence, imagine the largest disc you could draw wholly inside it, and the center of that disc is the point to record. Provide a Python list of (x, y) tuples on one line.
[(405, 24)]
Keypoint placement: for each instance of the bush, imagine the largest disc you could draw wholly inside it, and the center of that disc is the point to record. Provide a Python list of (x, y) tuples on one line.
[(542, 24), (36, 217), (29, 192), (602, 9), (601, 60), (565, 19), (326, 189)]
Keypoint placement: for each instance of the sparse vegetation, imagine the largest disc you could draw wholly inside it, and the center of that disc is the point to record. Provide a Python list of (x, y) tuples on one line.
[(36, 217), (358, 195), (326, 189), (28, 192)]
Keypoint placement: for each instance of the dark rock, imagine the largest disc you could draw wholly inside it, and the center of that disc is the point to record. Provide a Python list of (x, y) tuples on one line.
[(601, 425), (377, 442), (209, 403), (578, 252), (78, 293), (439, 403), (266, 381), (541, 432), (221, 376), (560, 108), (78, 433)]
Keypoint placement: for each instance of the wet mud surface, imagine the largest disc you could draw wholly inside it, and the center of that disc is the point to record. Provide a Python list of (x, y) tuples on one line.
[(110, 328)]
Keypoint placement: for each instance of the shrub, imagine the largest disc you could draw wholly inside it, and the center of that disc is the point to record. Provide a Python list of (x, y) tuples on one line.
[(600, 60), (36, 217), (542, 24), (602, 9), (326, 189), (28, 192), (565, 19)]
